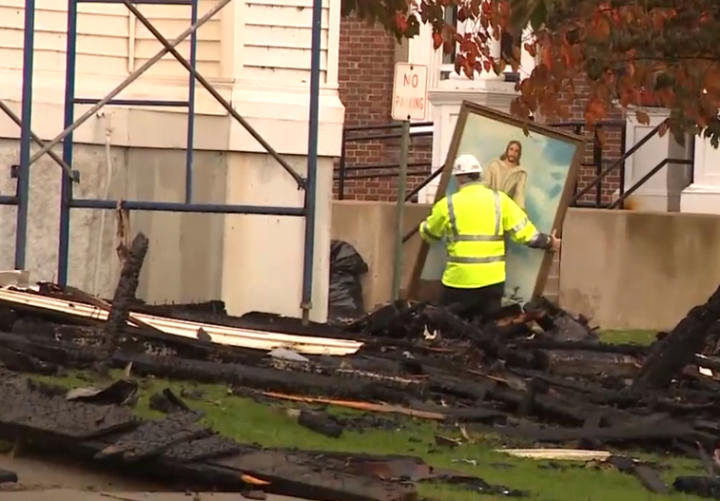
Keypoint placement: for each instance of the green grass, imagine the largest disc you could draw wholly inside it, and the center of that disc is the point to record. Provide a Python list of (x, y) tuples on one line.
[(271, 425), (643, 337)]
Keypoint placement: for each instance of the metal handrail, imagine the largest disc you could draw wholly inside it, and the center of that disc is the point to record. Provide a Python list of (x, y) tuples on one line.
[(620, 161), (349, 136), (385, 166), (370, 137), (619, 202), (435, 173), (360, 128), (379, 175)]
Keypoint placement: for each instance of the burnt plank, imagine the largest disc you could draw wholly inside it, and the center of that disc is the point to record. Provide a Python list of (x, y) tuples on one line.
[(7, 476), (124, 296), (638, 431), (307, 477), (302, 383), (23, 362), (211, 447), (203, 371), (580, 363), (650, 479), (704, 487), (472, 415), (27, 409), (154, 437)]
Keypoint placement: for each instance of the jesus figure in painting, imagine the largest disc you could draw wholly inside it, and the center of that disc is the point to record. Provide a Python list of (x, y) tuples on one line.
[(506, 175)]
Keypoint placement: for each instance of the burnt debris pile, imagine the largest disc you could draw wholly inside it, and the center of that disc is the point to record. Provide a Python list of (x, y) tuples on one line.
[(537, 374), (178, 447)]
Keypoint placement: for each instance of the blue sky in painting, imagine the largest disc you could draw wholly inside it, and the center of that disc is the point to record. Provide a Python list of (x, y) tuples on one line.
[(545, 159)]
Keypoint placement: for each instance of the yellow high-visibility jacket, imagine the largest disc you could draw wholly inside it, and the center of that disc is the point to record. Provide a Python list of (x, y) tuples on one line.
[(473, 223)]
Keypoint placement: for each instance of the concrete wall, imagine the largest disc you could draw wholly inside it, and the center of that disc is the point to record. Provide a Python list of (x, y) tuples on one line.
[(193, 257), (185, 258), (623, 269), (638, 270), (370, 227)]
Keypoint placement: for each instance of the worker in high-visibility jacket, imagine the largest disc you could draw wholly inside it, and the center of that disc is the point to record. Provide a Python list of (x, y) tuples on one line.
[(474, 222)]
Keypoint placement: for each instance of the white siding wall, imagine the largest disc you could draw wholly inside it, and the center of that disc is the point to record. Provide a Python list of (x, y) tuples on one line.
[(276, 40), (170, 21), (110, 41), (102, 45), (272, 40), (255, 52)]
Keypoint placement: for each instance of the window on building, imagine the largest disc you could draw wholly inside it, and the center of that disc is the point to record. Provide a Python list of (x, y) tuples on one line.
[(509, 43)]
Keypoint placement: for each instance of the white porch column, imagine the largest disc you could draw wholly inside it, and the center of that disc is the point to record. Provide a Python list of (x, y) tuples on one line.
[(270, 71), (662, 191), (527, 61), (422, 51), (495, 49), (703, 195)]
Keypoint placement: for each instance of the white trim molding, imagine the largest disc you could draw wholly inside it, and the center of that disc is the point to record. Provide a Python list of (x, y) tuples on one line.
[(703, 195), (662, 192)]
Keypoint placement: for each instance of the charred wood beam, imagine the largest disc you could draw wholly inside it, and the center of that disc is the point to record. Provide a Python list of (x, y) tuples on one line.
[(302, 383), (134, 339), (649, 478), (153, 438), (651, 429), (7, 476), (543, 405), (552, 344), (704, 487), (589, 389), (676, 350), (22, 362), (124, 296), (707, 362), (83, 296), (589, 363)]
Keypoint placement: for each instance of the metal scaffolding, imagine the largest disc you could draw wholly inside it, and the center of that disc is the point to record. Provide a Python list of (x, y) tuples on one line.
[(69, 177)]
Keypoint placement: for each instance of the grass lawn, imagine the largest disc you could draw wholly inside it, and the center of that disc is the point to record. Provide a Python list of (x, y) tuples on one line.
[(643, 337), (271, 425)]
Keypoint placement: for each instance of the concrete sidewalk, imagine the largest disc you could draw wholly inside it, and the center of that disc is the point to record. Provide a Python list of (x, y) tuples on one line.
[(80, 495), (42, 478)]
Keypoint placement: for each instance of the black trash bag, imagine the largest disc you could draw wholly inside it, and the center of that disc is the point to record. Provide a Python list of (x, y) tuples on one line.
[(345, 299)]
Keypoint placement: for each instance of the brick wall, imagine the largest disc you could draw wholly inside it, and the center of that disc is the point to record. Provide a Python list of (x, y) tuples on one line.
[(609, 140), (367, 61), (367, 58)]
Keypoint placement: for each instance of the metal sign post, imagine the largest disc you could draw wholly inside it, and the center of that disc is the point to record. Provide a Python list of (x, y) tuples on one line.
[(409, 102)]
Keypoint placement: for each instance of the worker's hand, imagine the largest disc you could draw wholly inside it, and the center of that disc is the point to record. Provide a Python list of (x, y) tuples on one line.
[(556, 242)]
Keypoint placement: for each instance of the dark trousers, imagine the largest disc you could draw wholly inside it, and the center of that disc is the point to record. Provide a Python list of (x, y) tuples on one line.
[(474, 303)]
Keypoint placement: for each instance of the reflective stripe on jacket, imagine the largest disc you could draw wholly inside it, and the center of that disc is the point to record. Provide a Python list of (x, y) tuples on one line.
[(473, 223)]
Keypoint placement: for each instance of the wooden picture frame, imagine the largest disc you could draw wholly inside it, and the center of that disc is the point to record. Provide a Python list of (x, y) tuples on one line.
[(480, 117)]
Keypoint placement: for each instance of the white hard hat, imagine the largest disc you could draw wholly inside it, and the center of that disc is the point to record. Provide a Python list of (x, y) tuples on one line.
[(466, 164)]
